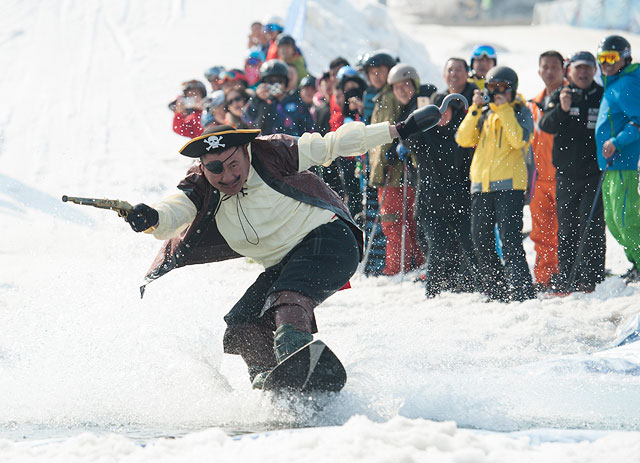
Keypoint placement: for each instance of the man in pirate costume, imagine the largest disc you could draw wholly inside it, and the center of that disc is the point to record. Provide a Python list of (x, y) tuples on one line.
[(253, 196)]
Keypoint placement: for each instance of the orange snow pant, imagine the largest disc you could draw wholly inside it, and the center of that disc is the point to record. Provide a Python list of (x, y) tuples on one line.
[(544, 230), (391, 221)]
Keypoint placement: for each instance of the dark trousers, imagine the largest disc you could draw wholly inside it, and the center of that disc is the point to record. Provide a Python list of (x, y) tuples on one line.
[(451, 261), (511, 281), (575, 198), (317, 267)]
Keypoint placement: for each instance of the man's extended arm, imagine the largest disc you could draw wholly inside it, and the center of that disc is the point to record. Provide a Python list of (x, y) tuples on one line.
[(175, 213), (351, 139)]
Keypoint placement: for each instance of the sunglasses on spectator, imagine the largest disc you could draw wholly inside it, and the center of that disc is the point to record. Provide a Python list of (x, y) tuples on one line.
[(610, 57), (273, 80), (498, 87), (484, 50), (236, 99), (254, 61), (216, 167)]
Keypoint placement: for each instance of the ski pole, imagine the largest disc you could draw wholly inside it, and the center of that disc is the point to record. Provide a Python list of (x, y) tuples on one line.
[(372, 234), (583, 238), (403, 239)]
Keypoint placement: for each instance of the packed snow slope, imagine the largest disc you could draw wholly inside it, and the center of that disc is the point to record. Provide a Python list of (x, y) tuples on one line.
[(84, 87)]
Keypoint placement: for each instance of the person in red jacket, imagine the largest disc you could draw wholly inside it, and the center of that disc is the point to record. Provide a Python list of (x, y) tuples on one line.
[(272, 28), (543, 206), (187, 109)]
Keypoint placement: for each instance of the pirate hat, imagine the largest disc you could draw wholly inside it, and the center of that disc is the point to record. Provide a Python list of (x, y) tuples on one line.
[(217, 139)]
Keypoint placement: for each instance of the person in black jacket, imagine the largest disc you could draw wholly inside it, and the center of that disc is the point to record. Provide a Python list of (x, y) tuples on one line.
[(571, 116), (272, 109), (444, 205)]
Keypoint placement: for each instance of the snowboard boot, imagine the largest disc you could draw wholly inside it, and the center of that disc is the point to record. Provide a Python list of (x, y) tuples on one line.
[(288, 339)]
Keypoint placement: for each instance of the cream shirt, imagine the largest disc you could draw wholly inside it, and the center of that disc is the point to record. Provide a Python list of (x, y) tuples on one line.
[(261, 223)]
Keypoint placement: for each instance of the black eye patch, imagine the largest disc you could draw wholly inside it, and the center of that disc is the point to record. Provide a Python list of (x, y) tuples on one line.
[(216, 167)]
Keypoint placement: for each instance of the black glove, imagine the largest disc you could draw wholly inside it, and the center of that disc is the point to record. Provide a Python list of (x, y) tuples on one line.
[(418, 121), (142, 217)]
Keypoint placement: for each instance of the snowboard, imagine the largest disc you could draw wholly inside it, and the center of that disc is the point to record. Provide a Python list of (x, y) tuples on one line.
[(313, 367)]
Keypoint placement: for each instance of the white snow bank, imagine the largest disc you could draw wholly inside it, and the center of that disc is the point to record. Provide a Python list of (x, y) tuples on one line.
[(399, 440)]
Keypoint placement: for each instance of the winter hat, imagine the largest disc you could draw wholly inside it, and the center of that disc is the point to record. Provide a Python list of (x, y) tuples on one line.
[(216, 99), (216, 139)]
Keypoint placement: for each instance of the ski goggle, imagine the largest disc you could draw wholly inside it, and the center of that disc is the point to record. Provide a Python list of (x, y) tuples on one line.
[(611, 57), (216, 167), (236, 99), (230, 76), (498, 87), (484, 50), (273, 28)]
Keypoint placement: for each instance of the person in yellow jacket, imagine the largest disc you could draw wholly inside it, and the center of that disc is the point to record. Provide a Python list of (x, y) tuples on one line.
[(501, 133)]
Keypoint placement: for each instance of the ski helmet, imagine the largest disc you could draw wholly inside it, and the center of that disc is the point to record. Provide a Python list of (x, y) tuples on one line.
[(346, 74), (256, 55), (274, 68), (401, 72), (213, 72), (503, 74), (308, 81), (484, 50), (616, 43), (274, 23), (380, 58)]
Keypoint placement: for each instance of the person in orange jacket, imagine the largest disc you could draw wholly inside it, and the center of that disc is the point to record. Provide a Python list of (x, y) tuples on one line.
[(543, 205)]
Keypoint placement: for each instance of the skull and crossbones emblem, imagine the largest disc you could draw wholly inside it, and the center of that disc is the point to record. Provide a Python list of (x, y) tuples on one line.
[(214, 142)]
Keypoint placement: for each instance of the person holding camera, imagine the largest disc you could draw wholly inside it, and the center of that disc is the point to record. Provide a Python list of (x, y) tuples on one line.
[(272, 109), (500, 131), (571, 116), (187, 109)]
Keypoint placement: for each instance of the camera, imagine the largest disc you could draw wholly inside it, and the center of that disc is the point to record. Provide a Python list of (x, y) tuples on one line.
[(486, 97), (577, 95), (275, 89), (189, 102)]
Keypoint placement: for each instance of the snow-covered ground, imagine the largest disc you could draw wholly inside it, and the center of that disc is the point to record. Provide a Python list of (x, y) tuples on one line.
[(89, 371)]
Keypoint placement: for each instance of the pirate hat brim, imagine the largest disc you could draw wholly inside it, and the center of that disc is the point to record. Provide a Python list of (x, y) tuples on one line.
[(215, 141)]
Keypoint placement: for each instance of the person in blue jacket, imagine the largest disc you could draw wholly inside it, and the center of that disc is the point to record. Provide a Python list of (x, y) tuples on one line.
[(618, 144)]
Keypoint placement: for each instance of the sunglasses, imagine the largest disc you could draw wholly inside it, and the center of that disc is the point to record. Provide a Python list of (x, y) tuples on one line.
[(216, 167), (484, 50), (254, 61), (610, 57), (498, 87), (236, 99)]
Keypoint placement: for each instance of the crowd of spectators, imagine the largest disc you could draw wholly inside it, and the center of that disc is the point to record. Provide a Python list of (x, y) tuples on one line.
[(450, 201)]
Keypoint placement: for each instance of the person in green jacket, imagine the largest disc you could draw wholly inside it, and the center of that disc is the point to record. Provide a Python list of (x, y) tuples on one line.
[(289, 53)]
